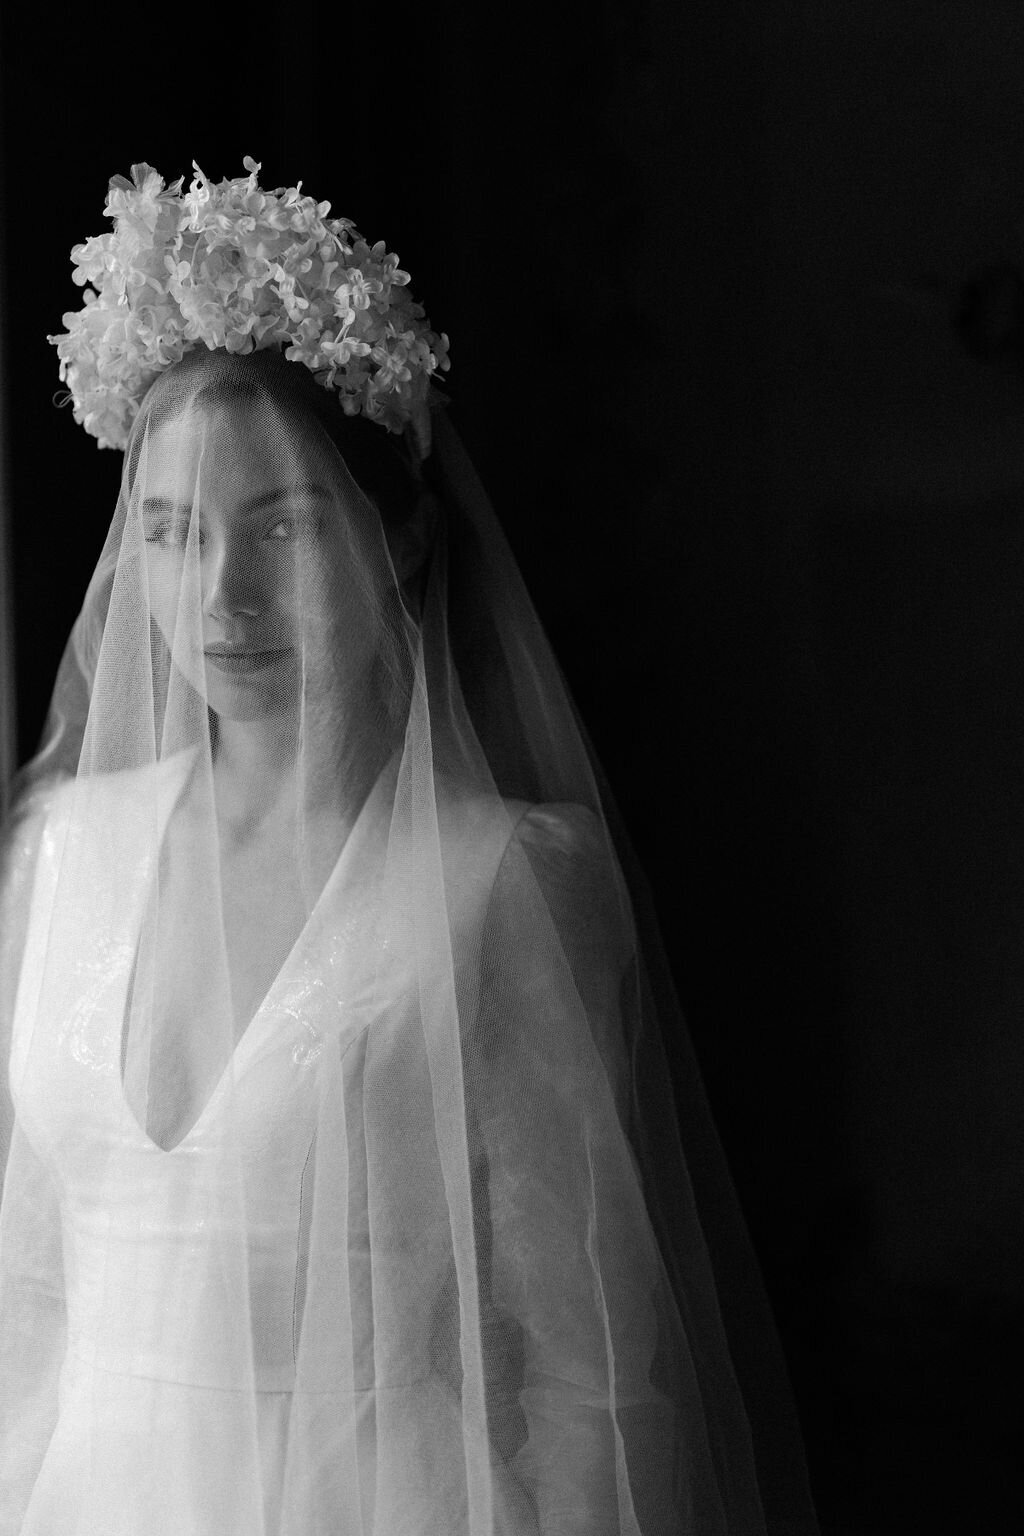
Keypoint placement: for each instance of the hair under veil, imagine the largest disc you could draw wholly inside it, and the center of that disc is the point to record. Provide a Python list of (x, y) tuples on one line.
[(387, 1225)]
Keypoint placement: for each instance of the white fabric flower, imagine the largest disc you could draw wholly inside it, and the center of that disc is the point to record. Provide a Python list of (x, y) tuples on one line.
[(231, 265)]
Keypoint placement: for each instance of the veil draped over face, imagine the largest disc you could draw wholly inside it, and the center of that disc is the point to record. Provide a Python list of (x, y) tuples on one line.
[(346, 1193)]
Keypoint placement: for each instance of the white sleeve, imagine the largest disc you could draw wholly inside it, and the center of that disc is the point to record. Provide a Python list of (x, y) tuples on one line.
[(573, 1276), (32, 1303)]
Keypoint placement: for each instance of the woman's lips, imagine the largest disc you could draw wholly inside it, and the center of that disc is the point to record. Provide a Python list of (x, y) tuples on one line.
[(245, 661)]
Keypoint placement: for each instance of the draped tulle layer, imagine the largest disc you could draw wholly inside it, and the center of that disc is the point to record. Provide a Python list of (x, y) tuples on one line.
[(344, 1194)]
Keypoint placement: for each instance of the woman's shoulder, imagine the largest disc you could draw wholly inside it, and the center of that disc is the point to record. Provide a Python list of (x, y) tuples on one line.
[(559, 830), (568, 851), (23, 831), (103, 807), (23, 846), (561, 847), (120, 792), (471, 817), (37, 811)]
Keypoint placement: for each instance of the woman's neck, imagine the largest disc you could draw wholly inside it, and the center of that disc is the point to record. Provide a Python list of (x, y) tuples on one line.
[(254, 771), (265, 779)]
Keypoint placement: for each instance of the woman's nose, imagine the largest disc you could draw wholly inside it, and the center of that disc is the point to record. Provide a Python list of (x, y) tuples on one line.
[(230, 583)]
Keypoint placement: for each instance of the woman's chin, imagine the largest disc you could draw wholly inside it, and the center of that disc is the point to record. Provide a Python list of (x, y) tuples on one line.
[(248, 703)]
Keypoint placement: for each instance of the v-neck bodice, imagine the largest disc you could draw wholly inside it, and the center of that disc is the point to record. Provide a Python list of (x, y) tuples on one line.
[(129, 1207), (349, 875), (151, 1235)]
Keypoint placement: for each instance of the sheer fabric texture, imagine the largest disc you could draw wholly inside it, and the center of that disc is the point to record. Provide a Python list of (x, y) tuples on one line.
[(344, 1191)]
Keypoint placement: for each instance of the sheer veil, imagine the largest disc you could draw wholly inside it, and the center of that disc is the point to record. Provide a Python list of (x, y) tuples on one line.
[(388, 1222)]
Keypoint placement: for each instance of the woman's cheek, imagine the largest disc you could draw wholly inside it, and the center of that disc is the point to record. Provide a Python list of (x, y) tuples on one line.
[(164, 597), (181, 633)]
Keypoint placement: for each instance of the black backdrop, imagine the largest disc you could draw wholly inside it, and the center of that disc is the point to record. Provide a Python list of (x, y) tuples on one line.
[(771, 519)]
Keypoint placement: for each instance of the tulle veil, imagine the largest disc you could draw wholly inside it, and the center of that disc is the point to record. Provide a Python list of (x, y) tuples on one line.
[(393, 1221)]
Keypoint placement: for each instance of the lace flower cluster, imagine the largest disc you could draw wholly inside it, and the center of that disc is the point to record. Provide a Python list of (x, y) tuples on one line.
[(233, 266)]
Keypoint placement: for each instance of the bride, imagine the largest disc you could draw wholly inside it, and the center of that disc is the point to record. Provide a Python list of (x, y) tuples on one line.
[(342, 1193)]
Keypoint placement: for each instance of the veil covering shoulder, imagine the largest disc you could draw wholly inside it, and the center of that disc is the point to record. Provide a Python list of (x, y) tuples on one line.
[(387, 1222)]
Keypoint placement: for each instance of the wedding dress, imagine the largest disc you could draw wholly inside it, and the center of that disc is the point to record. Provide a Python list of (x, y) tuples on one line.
[(151, 1389), (415, 1249)]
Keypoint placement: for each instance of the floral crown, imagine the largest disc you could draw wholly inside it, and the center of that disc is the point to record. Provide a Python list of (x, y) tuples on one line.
[(236, 267)]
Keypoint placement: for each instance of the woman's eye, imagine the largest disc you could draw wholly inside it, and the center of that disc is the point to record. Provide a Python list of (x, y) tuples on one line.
[(169, 535), (284, 528), (295, 526)]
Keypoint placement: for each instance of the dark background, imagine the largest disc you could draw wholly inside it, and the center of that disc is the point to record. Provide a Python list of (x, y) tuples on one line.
[(770, 509)]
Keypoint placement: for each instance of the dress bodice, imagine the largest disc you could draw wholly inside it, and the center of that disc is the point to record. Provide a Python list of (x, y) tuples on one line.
[(155, 1265)]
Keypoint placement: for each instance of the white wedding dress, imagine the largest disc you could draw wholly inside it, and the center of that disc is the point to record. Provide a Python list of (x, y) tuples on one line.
[(154, 1433)]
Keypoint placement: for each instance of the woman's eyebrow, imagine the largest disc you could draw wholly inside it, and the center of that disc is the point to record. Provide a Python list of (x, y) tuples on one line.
[(284, 493), (157, 504)]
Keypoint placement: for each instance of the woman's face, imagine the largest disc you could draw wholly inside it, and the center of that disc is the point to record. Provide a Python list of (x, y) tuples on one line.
[(252, 567)]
